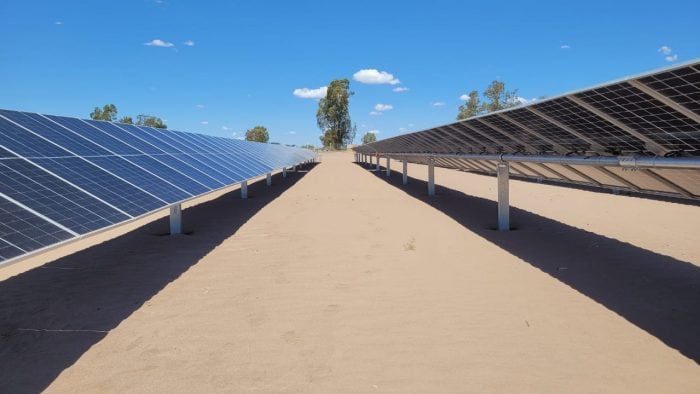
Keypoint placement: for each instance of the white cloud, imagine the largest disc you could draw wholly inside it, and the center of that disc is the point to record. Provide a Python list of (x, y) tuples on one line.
[(438, 104), (292, 132), (58, 23), (224, 128), (383, 107), (671, 58), (199, 106), (363, 125), (411, 125), (311, 93), (159, 43), (400, 89), (375, 113), (464, 97), (205, 122), (189, 43), (402, 129), (664, 50), (565, 46), (373, 131), (375, 77)]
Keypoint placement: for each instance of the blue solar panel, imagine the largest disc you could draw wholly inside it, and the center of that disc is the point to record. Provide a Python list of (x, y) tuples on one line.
[(21, 231), (61, 177), (141, 178), (102, 184), (55, 198)]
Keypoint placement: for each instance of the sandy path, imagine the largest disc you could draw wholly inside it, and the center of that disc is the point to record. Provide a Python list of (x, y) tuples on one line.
[(347, 283)]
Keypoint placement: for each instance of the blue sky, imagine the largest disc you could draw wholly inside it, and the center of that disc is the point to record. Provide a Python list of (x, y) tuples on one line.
[(221, 67)]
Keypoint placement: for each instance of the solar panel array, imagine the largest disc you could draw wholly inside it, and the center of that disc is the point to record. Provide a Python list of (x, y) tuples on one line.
[(656, 114), (61, 178)]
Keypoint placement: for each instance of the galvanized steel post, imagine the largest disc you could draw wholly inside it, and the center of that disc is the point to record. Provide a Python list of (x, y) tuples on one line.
[(269, 179), (502, 171), (388, 166), (175, 219), (244, 189), (405, 171), (431, 177)]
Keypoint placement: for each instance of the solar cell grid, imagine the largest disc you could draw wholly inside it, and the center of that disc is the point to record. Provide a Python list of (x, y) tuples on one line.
[(106, 186), (605, 134), (681, 86), (25, 143), (95, 135), (21, 231), (646, 115), (175, 177), (118, 132), (55, 198), (548, 130)]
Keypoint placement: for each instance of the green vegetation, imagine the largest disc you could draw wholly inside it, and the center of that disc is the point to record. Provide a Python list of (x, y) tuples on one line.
[(497, 98), (109, 113), (369, 138), (257, 134), (308, 146), (333, 115)]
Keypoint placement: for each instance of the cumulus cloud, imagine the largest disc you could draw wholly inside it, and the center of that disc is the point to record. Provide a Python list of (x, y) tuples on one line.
[(199, 106), (438, 104), (373, 131), (664, 50), (292, 132), (383, 107), (159, 43), (311, 93), (565, 46), (668, 54), (400, 89), (373, 76), (375, 113), (402, 129), (204, 122), (58, 23), (224, 128), (464, 97), (189, 43)]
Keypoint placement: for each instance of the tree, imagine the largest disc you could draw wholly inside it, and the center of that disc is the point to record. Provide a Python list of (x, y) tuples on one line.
[(499, 98), (471, 108), (108, 113), (126, 119), (308, 146), (333, 115), (150, 121), (369, 138), (257, 134)]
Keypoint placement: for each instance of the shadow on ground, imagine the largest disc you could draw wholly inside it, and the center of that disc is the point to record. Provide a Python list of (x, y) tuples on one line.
[(657, 293), (51, 315)]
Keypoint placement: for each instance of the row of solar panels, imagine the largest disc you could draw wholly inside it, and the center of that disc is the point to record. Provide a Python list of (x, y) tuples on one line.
[(653, 114), (62, 177)]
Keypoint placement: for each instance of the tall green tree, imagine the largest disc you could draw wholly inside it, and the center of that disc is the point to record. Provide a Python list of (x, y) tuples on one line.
[(333, 115), (499, 98), (107, 112), (369, 138), (150, 121), (470, 108), (257, 134)]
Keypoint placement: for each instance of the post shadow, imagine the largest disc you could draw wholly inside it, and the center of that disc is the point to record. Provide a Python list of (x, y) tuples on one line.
[(657, 293), (51, 315)]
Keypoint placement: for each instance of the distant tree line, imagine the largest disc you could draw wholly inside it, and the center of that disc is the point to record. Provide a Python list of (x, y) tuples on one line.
[(369, 138), (109, 113)]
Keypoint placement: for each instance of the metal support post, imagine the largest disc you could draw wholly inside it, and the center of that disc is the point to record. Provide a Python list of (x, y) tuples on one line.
[(388, 166), (269, 179), (405, 172), (431, 177), (244, 189), (377, 161), (284, 172), (294, 168), (502, 171), (175, 219)]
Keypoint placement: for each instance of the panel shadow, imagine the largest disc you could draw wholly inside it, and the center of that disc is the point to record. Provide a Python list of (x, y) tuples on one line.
[(51, 315), (657, 293)]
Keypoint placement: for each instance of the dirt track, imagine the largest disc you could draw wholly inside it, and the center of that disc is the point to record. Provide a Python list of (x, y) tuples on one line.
[(349, 282)]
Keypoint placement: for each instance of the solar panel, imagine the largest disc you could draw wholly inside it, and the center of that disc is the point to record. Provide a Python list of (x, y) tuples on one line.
[(64, 177), (652, 115)]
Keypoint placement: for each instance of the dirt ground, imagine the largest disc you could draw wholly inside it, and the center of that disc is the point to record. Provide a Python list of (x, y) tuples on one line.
[(339, 279)]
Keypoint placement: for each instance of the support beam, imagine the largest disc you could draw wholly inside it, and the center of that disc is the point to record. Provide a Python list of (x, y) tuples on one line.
[(405, 171), (388, 166), (175, 219), (431, 177), (268, 179), (244, 189), (284, 172), (502, 170), (377, 161)]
